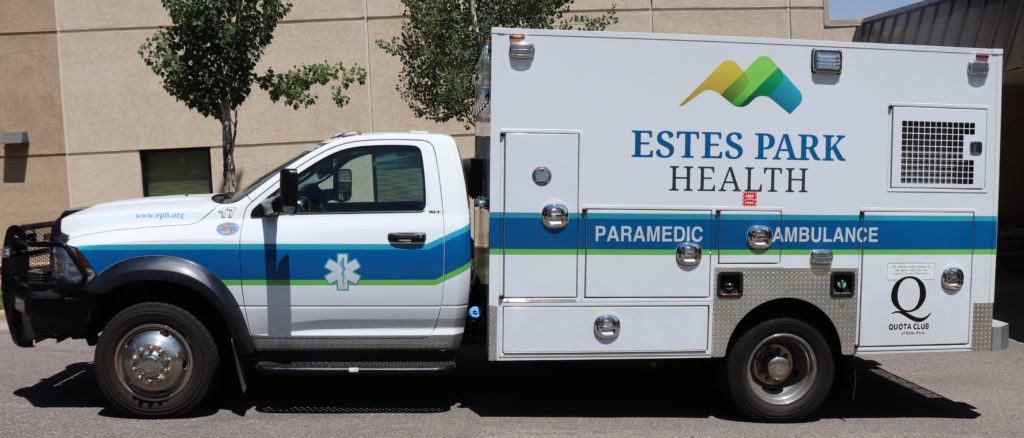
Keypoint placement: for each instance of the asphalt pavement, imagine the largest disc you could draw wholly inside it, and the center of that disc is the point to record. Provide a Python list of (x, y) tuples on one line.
[(51, 389)]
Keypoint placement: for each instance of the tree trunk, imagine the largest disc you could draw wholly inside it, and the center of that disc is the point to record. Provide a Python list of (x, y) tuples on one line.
[(228, 146)]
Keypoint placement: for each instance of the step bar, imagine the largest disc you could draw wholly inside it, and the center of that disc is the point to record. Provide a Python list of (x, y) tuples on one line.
[(360, 367)]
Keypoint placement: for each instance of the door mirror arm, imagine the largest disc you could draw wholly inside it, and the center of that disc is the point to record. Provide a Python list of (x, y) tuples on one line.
[(288, 200)]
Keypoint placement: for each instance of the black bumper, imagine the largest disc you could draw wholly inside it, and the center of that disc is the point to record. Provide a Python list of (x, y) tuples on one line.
[(36, 307)]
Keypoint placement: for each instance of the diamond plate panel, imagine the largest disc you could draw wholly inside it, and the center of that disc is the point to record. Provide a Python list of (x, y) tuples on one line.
[(492, 333), (981, 327), (761, 285)]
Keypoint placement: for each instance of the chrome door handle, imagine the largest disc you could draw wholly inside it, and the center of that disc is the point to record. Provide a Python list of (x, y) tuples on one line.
[(952, 279), (555, 216), (688, 254), (606, 327), (759, 237)]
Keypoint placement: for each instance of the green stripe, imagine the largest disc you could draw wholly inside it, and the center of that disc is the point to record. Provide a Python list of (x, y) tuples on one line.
[(429, 282), (545, 251), (499, 251)]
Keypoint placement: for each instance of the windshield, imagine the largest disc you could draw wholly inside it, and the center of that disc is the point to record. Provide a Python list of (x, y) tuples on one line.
[(226, 198)]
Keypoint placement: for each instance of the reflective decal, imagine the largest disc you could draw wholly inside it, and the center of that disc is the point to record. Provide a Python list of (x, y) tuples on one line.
[(227, 228), (342, 272)]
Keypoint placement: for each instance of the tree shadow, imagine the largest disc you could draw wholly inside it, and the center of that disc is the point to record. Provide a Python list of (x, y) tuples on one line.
[(677, 389)]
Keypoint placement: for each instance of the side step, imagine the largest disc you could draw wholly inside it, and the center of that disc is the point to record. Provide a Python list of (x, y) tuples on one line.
[(363, 367)]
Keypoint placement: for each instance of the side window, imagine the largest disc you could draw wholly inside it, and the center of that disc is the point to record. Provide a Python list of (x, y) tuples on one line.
[(364, 179)]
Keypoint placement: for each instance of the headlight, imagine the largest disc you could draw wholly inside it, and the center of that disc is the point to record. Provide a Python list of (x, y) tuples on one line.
[(64, 268)]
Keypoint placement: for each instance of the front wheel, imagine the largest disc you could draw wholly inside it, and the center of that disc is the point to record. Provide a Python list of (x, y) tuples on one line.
[(155, 360), (780, 370)]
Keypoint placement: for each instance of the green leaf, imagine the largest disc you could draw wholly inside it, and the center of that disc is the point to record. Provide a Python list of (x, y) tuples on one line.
[(206, 59)]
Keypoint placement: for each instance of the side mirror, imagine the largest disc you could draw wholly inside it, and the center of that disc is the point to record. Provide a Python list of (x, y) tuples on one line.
[(343, 183), (288, 199)]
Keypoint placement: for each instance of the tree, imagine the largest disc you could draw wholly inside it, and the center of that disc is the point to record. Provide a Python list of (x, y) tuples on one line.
[(207, 57), (440, 43)]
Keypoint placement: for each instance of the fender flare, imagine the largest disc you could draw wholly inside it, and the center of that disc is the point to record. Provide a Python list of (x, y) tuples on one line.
[(182, 272)]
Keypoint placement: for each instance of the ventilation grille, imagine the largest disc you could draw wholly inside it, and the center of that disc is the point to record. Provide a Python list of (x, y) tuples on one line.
[(933, 153)]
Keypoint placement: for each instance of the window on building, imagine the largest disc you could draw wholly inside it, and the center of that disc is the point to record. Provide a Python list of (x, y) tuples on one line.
[(176, 171)]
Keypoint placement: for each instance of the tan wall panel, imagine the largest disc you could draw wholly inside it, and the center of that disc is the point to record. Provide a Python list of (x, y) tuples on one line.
[(629, 21), (755, 23), (466, 143), (601, 5), (30, 91), (719, 4), (97, 178), (808, 24), (325, 9), (38, 186), (110, 14), (115, 102), (384, 8), (390, 112), (262, 121), (807, 3), (26, 16)]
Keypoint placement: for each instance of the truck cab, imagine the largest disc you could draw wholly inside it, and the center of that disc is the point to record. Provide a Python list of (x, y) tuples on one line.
[(359, 243)]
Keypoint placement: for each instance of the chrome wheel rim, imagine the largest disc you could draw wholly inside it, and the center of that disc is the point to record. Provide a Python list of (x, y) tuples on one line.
[(153, 362), (782, 369)]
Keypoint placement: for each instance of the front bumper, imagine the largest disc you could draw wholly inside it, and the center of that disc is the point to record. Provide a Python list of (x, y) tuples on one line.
[(35, 305)]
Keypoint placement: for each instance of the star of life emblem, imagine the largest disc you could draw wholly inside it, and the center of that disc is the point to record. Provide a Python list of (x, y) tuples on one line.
[(342, 272)]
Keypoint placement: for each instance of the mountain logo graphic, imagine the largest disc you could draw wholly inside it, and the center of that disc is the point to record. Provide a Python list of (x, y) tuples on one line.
[(739, 87)]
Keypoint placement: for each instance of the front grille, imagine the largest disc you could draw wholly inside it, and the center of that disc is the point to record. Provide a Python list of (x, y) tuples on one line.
[(38, 257), (932, 153)]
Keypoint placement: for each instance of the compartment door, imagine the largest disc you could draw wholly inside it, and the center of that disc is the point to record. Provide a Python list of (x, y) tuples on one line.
[(903, 300), (647, 253), (742, 240), (938, 148), (541, 215)]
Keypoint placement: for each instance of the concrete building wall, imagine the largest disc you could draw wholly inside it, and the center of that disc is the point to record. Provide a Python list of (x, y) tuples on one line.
[(71, 77)]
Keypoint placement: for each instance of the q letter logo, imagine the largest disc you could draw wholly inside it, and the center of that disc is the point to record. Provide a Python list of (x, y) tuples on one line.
[(762, 78), (921, 294)]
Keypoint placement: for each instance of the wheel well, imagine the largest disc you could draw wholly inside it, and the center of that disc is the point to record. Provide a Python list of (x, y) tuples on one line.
[(789, 308), (113, 302)]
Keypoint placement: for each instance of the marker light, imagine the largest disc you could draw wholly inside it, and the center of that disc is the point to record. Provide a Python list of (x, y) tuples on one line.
[(978, 67), (519, 48), (826, 61)]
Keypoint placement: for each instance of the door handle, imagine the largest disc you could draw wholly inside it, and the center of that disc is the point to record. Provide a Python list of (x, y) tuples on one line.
[(407, 238), (554, 216)]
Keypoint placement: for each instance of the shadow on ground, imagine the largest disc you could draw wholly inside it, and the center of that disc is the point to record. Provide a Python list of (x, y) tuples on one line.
[(578, 389)]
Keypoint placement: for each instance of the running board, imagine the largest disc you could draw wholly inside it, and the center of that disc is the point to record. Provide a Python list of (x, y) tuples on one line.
[(364, 367)]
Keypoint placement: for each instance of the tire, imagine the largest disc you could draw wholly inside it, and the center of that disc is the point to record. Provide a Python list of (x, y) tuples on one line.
[(798, 381), (174, 357)]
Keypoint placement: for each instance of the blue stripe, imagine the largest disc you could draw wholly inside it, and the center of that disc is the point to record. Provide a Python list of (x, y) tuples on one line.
[(631, 216), (302, 261), (911, 232)]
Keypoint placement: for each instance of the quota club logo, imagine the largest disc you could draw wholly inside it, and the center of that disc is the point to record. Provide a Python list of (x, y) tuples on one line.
[(739, 87)]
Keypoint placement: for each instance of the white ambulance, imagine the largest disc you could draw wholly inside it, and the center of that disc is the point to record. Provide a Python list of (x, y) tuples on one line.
[(783, 204)]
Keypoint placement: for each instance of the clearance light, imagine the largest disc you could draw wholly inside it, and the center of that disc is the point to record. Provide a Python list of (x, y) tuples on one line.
[(826, 61), (519, 48), (978, 67)]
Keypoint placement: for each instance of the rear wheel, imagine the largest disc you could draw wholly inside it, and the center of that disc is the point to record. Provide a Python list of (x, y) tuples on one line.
[(780, 370), (155, 360)]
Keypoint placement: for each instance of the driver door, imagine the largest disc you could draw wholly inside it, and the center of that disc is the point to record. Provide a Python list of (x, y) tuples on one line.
[(362, 256)]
